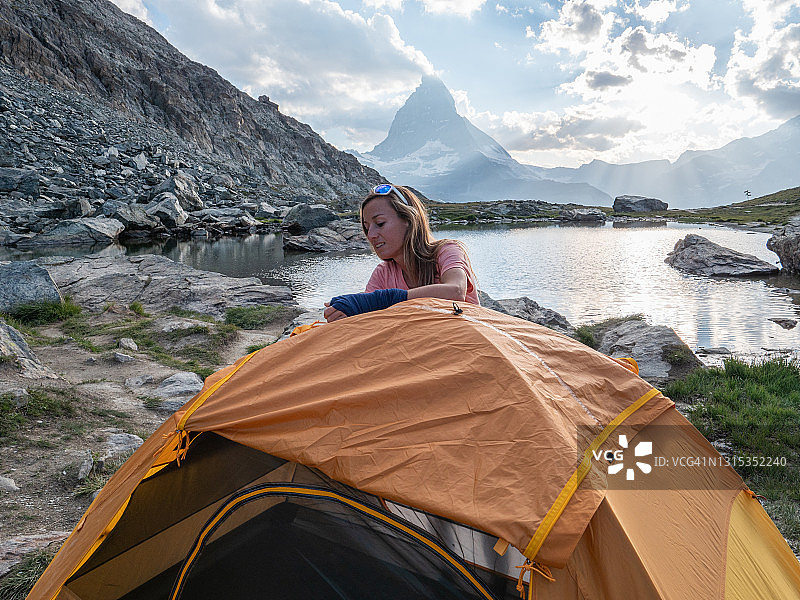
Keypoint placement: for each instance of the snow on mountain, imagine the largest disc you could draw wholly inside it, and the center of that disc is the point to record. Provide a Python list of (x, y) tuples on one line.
[(432, 148)]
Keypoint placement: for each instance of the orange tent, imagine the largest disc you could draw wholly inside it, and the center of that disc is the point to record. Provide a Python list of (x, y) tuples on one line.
[(398, 453)]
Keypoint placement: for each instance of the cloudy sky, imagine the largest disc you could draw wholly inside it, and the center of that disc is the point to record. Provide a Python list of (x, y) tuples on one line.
[(558, 83)]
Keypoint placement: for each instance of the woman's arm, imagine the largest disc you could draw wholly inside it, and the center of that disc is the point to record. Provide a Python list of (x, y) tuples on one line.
[(452, 286)]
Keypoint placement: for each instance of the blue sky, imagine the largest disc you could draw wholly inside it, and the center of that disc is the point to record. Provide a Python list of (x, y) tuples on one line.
[(557, 83)]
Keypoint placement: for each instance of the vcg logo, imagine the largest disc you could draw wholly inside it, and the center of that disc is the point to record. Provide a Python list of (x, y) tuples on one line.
[(617, 458)]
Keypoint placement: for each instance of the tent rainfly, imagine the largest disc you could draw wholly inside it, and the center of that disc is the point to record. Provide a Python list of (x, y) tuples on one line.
[(423, 452)]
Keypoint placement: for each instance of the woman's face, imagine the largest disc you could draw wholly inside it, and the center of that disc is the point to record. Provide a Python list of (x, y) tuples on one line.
[(386, 230)]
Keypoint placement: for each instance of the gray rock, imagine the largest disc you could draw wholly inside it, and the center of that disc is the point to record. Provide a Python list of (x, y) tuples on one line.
[(591, 215), (138, 381), (527, 309), (123, 358), (13, 550), (85, 231), (488, 302), (118, 445), (338, 236), (631, 204), (184, 188), (168, 210), (8, 485), (695, 254), (158, 283), (303, 218), (660, 353), (24, 181), (127, 344), (786, 244), (86, 465), (266, 211), (134, 218), (140, 161), (180, 384), (14, 346), (25, 282), (785, 323)]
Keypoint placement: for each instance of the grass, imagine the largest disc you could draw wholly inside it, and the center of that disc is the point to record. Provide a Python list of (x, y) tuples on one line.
[(16, 584), (255, 347), (137, 308), (756, 408), (98, 477), (202, 358), (41, 403), (42, 313), (190, 314), (253, 317), (591, 335)]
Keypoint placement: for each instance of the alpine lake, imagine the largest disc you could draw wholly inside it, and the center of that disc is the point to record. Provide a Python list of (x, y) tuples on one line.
[(586, 273)]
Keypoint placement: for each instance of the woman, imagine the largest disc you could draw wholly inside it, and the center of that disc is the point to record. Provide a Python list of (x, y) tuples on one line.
[(415, 265)]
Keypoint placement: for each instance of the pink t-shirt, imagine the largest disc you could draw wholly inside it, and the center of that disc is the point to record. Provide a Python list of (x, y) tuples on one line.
[(389, 275)]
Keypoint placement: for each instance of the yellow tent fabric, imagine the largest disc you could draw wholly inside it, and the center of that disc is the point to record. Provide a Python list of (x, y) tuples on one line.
[(485, 420)]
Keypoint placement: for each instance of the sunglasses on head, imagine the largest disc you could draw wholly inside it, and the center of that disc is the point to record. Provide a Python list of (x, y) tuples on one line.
[(385, 189)]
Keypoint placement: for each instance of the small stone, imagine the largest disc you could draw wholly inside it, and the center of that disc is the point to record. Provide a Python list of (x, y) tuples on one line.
[(138, 381), (7, 485), (785, 323), (92, 360), (123, 358), (128, 344), (86, 466)]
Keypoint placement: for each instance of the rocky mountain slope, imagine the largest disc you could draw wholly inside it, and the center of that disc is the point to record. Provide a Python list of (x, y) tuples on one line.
[(432, 148), (93, 48)]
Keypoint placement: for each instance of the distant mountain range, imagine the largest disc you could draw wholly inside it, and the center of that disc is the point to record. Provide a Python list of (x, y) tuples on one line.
[(432, 148)]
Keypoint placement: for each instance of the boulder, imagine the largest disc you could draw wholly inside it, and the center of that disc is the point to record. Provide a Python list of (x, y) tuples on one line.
[(25, 282), (15, 350), (117, 445), (157, 282), (592, 215), (337, 236), (303, 218), (184, 188), (786, 244), (15, 549), (696, 254), (662, 356), (527, 309), (76, 232), (184, 384), (24, 181), (632, 204), (168, 210), (135, 219)]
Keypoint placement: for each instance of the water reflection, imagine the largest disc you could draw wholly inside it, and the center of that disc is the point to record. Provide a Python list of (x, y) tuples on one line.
[(585, 273)]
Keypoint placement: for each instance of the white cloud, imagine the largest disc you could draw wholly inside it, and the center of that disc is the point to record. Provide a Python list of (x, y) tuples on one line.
[(395, 5), (135, 8), (656, 11), (461, 8), (764, 66), (325, 66), (581, 26)]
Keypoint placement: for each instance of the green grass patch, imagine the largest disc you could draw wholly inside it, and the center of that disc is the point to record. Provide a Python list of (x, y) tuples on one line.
[(773, 209), (756, 408), (253, 317), (42, 313), (39, 404), (137, 307), (151, 402), (16, 584), (255, 347)]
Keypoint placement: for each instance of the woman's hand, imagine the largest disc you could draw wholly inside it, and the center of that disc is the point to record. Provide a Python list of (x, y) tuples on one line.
[(331, 314)]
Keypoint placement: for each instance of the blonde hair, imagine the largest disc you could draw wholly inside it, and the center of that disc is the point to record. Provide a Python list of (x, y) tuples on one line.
[(419, 247)]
